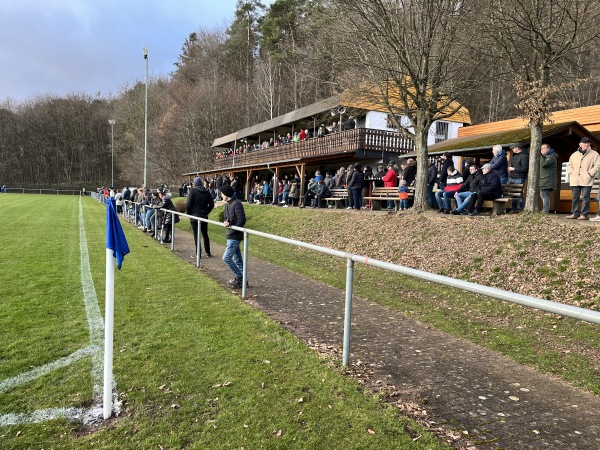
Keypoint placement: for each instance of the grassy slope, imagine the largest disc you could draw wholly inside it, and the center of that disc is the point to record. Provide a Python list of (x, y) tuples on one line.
[(510, 252), (197, 367)]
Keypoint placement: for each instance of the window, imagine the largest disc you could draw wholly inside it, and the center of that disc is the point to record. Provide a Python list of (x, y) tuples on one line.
[(441, 131)]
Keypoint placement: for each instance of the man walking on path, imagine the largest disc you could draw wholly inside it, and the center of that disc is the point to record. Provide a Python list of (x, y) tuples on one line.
[(199, 204), (233, 216), (582, 168)]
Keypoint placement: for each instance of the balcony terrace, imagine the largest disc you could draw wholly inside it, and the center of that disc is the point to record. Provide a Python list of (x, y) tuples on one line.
[(358, 142)]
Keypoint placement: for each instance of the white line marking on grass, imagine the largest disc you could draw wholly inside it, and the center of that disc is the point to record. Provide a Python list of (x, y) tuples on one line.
[(95, 322), (23, 378), (41, 415)]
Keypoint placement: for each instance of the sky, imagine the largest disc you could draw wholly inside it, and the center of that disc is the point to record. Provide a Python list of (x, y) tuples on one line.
[(58, 47)]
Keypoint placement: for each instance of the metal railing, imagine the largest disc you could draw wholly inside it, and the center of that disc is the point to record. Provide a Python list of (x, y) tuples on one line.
[(43, 191), (500, 294)]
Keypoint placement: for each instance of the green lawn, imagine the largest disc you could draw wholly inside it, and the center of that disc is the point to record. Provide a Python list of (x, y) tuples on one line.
[(195, 366)]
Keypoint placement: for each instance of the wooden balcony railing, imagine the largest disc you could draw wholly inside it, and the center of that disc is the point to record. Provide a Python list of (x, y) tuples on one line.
[(348, 141)]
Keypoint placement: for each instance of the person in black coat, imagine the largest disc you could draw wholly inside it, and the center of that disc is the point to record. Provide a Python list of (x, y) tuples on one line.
[(199, 204), (447, 158), (233, 215), (489, 189), (432, 174), (355, 184)]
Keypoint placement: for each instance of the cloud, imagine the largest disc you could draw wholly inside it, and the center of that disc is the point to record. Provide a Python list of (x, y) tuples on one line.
[(92, 46)]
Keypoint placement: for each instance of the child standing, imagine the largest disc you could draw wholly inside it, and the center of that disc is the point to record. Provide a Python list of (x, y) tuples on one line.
[(403, 194)]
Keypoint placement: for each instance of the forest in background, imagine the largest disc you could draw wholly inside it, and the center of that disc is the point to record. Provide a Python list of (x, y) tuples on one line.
[(268, 61)]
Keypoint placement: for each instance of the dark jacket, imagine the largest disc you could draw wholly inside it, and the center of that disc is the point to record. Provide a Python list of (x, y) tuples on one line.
[(199, 202), (235, 215), (432, 174), (410, 173), (444, 172), (490, 184), (500, 164), (548, 170), (168, 204), (323, 191), (520, 161), (356, 180), (473, 182)]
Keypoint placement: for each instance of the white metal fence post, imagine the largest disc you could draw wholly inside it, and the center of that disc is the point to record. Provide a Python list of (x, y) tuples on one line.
[(245, 266), (348, 310)]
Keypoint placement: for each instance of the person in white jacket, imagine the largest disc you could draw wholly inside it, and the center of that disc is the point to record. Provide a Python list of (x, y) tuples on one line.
[(582, 168)]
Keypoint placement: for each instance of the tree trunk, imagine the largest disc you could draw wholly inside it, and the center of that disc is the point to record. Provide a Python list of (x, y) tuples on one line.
[(533, 177), (420, 139)]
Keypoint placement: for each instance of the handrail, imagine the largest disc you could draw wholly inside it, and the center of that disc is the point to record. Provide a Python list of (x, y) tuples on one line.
[(562, 309)]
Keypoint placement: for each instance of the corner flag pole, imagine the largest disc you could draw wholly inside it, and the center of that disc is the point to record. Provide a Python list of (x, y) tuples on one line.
[(108, 333), (116, 247)]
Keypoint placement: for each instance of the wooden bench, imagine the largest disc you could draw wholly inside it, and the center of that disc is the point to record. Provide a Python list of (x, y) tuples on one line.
[(337, 195), (386, 194), (510, 192)]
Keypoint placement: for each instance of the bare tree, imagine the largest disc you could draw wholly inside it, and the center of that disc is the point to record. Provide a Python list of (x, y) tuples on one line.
[(414, 59), (539, 40)]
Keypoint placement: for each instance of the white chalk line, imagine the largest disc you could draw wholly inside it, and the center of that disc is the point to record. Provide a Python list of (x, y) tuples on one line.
[(96, 331), (23, 378)]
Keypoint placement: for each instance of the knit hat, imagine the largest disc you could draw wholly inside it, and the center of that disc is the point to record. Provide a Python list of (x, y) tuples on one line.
[(197, 181), (227, 191)]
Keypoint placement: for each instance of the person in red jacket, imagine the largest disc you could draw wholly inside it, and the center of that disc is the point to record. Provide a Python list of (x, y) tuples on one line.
[(390, 179)]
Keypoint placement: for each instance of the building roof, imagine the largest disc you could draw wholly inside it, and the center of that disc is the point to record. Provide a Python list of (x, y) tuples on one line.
[(350, 101), (588, 116), (482, 144), (297, 115)]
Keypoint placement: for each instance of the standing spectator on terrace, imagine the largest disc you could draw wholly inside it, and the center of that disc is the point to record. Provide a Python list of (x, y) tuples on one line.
[(318, 176), (490, 188), (499, 163), (233, 215), (340, 178), (199, 204), (548, 171), (468, 188), (583, 166), (355, 184), (390, 179), (401, 169), (218, 186), (303, 135), (443, 174), (350, 124), (294, 191), (432, 174), (410, 173), (322, 131), (349, 199), (519, 167), (378, 176), (119, 201), (334, 127), (329, 181)]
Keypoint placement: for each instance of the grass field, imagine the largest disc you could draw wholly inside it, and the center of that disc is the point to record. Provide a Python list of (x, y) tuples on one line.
[(567, 348), (195, 367)]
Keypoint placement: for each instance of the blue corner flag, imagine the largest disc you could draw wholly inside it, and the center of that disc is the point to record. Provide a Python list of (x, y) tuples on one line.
[(115, 238)]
